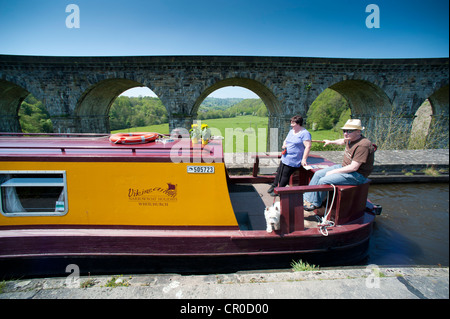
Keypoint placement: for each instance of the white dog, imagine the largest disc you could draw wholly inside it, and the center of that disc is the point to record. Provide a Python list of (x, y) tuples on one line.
[(272, 215)]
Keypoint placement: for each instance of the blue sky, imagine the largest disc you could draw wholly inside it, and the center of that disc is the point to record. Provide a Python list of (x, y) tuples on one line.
[(301, 28)]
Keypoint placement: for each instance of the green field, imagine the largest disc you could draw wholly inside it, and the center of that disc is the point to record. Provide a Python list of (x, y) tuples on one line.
[(241, 133)]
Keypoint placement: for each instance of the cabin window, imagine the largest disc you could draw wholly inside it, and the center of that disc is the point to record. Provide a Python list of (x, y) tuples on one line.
[(33, 193)]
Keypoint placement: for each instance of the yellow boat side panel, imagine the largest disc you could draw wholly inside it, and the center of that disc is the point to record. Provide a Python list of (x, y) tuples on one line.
[(135, 193)]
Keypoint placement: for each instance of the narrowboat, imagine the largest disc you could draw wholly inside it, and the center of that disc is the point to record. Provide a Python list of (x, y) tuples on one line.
[(162, 205)]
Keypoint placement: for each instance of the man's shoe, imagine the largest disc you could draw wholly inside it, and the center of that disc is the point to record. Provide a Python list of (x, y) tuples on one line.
[(273, 194), (270, 190), (309, 207)]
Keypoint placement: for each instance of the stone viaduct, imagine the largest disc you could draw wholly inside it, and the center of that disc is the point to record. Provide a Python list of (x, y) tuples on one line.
[(78, 91)]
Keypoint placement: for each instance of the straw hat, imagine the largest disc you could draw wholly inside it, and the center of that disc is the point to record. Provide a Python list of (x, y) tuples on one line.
[(353, 124)]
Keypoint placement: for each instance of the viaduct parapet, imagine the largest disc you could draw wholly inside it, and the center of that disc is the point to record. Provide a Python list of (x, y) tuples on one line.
[(79, 91)]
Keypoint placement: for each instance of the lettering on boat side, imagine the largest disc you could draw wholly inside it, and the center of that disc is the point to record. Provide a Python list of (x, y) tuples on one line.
[(200, 169), (154, 196)]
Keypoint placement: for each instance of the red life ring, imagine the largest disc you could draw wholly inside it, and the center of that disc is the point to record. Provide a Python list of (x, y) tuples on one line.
[(133, 138)]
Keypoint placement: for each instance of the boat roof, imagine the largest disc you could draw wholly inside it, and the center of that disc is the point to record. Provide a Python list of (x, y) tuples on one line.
[(98, 147)]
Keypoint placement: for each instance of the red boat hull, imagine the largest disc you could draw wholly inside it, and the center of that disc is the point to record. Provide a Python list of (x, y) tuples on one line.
[(104, 231), (34, 252)]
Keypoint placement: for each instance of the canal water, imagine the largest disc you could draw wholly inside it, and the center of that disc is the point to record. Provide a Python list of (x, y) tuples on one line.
[(413, 229)]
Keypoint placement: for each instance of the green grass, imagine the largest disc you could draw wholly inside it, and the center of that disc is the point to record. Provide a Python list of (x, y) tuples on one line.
[(161, 128), (325, 135), (235, 139), (321, 135), (115, 282), (2, 286), (303, 266)]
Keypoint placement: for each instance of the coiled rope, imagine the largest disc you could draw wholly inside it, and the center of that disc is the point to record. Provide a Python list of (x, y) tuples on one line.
[(324, 223)]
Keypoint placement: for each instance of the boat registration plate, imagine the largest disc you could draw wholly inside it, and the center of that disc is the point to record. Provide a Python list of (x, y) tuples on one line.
[(197, 169)]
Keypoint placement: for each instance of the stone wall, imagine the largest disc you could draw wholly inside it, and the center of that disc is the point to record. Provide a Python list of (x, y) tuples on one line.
[(78, 91)]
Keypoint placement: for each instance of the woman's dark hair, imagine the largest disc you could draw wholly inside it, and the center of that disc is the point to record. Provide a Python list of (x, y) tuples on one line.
[(297, 119)]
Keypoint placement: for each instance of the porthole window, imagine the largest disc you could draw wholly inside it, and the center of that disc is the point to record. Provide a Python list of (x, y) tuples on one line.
[(33, 193)]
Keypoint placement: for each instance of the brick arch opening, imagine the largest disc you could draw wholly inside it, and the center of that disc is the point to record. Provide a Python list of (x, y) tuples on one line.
[(12, 97), (265, 94), (97, 99), (437, 133), (137, 109), (421, 126), (268, 98), (440, 101), (369, 103), (92, 109), (364, 97)]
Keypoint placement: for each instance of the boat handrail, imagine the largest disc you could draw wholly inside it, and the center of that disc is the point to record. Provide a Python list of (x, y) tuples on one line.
[(291, 202), (115, 148), (112, 147), (55, 134), (302, 189), (267, 155)]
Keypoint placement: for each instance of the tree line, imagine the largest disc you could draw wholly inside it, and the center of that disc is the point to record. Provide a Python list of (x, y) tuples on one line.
[(328, 111), (33, 116), (128, 112), (235, 107)]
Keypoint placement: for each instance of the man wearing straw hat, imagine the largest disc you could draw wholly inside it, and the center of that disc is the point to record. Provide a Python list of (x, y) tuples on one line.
[(356, 165)]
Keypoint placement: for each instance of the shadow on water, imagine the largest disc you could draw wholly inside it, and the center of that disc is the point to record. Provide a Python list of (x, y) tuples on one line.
[(413, 228)]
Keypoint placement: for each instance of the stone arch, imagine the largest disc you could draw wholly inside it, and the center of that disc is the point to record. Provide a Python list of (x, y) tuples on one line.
[(438, 134), (364, 97), (12, 96), (266, 95), (93, 106), (268, 98), (440, 101), (371, 104), (421, 126), (97, 99)]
